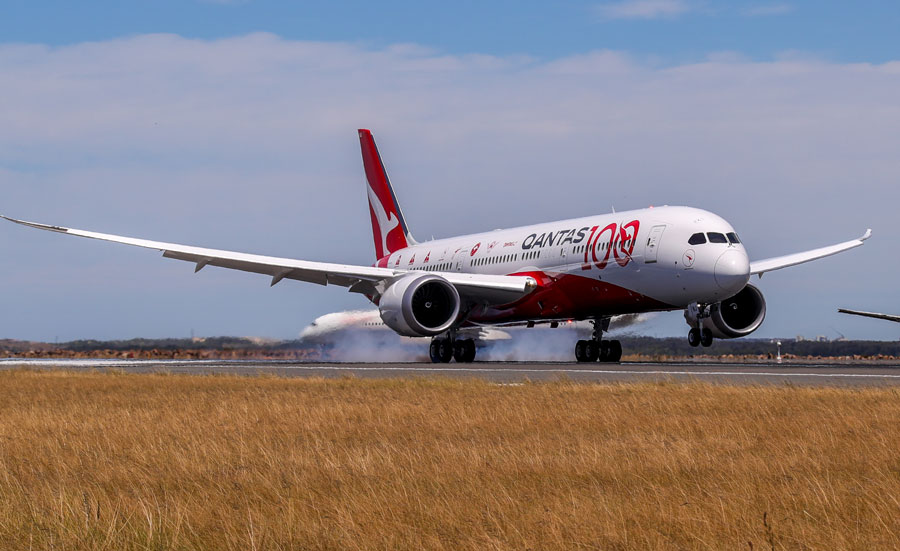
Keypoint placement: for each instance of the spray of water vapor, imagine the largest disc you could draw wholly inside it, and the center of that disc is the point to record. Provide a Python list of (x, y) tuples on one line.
[(359, 336)]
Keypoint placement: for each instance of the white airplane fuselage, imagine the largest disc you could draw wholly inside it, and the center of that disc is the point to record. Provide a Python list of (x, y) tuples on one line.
[(624, 262)]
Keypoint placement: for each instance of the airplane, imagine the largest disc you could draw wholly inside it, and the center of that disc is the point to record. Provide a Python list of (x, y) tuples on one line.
[(591, 268), (888, 317)]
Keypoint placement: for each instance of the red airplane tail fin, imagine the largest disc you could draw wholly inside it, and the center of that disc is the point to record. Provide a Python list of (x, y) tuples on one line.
[(388, 225)]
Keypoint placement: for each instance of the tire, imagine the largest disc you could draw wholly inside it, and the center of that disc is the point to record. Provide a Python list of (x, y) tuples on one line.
[(592, 351), (706, 337), (445, 350), (434, 351), (603, 356), (694, 337), (470, 351), (459, 351), (581, 351), (615, 351)]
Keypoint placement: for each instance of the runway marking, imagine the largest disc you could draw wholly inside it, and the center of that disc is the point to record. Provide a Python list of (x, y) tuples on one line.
[(101, 362)]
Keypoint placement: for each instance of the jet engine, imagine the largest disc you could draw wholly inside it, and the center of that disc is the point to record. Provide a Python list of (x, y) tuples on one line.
[(737, 316), (420, 305)]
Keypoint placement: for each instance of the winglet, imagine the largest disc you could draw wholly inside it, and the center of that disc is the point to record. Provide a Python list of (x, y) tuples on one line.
[(867, 235), (47, 227)]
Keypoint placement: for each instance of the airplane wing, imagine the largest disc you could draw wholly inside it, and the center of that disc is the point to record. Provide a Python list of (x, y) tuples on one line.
[(493, 289), (759, 267), (870, 315)]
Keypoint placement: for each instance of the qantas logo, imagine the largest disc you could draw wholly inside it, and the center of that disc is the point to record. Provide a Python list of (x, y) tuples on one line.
[(386, 220), (612, 241), (620, 243)]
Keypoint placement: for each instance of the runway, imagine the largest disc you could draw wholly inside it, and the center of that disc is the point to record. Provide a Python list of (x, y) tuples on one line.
[(795, 373)]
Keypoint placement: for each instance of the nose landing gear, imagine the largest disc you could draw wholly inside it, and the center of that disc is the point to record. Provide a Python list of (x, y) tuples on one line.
[(596, 348), (698, 335)]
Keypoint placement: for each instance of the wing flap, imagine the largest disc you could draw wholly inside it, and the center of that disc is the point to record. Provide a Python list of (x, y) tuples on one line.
[(759, 267)]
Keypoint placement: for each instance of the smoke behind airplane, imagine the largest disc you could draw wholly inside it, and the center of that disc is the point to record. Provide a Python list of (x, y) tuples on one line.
[(357, 336)]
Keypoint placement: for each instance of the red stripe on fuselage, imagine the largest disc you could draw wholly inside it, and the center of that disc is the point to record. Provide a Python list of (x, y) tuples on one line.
[(569, 296)]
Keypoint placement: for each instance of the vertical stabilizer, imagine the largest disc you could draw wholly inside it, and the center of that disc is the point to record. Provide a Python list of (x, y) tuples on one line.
[(388, 226)]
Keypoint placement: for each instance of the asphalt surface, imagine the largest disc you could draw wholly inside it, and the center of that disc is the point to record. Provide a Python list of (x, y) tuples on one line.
[(794, 373)]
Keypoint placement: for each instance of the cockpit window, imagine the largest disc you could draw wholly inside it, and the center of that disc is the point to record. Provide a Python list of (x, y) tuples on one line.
[(697, 239), (733, 238), (715, 237)]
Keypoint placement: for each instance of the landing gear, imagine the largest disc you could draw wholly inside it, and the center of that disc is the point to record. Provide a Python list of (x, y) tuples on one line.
[(443, 349), (596, 348), (694, 337), (694, 316), (587, 351)]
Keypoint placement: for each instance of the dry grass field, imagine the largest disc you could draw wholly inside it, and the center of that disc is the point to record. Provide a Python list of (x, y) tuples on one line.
[(119, 462)]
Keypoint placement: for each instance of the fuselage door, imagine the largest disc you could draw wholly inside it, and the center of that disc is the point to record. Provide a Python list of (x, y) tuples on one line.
[(653, 244), (456, 262)]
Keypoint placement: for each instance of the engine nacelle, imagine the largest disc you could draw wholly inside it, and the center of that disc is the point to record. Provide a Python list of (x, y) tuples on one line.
[(737, 316), (420, 305)]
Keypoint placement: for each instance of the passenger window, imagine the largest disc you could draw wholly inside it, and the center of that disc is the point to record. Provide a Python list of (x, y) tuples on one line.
[(697, 239), (716, 237), (733, 238)]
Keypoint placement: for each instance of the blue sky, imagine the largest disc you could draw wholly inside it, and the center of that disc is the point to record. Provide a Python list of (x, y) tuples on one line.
[(673, 30), (233, 125)]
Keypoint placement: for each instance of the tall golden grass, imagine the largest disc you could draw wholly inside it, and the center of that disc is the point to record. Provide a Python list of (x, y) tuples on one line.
[(115, 461)]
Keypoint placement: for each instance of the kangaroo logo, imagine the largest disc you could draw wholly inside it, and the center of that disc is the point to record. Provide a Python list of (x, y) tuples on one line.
[(386, 221)]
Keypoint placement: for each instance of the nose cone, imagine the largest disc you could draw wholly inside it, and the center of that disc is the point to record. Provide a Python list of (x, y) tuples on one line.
[(732, 270)]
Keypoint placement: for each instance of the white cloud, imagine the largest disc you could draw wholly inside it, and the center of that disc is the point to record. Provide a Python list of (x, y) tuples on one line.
[(249, 143), (642, 9)]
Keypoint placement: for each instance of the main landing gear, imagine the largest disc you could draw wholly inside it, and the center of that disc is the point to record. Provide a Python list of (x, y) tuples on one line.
[(596, 348), (443, 349)]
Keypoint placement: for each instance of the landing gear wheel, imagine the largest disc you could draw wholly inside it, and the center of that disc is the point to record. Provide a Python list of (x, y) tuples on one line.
[(706, 337), (464, 350), (470, 351), (615, 351), (433, 351), (603, 356), (581, 351), (459, 351), (446, 350), (591, 351), (694, 337), (441, 350)]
